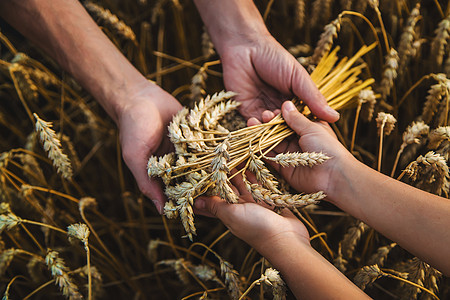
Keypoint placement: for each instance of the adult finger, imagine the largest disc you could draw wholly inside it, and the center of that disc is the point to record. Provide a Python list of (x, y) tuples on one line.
[(304, 88)]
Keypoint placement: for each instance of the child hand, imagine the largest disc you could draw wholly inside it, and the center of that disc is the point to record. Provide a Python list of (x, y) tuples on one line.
[(258, 226), (314, 137)]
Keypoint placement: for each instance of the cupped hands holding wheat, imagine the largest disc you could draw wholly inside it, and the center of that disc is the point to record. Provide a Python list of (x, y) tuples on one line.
[(206, 151), (313, 137), (142, 123)]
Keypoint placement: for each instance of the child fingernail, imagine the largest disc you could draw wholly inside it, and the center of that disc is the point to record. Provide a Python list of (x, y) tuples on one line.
[(289, 106)]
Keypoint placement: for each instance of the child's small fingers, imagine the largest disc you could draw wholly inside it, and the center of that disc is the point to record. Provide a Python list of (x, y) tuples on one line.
[(267, 115), (253, 121), (277, 111)]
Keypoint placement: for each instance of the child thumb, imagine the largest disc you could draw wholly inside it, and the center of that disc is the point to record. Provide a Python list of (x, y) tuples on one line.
[(214, 206), (296, 120)]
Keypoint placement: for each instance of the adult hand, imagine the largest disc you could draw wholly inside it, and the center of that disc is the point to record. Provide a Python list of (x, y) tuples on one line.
[(255, 65), (264, 75), (142, 122)]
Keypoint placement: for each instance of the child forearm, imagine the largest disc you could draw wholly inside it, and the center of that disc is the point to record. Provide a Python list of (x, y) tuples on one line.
[(418, 221), (307, 273)]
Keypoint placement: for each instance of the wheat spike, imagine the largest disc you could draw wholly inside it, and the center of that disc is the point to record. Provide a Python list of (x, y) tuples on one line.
[(434, 97), (367, 100), (346, 4), (421, 273), (231, 278), (22, 77), (299, 14), (187, 215), (31, 165), (52, 145), (415, 132), (412, 135), (207, 45), (6, 256), (300, 159), (339, 261), (273, 278), (437, 136), (86, 202), (198, 85), (441, 39), (380, 256), (170, 210), (386, 123), (285, 200), (9, 221), (152, 250), (263, 174), (179, 265), (326, 40), (321, 10), (389, 73), (59, 271), (105, 15), (78, 231), (205, 273), (351, 238), (367, 275), (405, 47), (300, 49)]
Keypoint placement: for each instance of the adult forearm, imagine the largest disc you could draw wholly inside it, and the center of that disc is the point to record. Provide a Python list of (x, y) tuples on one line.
[(307, 273), (67, 33), (228, 21), (418, 221)]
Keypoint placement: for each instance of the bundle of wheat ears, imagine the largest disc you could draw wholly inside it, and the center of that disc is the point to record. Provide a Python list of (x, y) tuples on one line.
[(205, 151)]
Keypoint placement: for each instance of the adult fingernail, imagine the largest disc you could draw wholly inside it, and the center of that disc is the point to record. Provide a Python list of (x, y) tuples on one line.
[(158, 206), (200, 203), (332, 112), (289, 106)]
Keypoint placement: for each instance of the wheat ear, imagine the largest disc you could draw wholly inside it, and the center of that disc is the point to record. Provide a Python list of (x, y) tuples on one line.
[(53, 146)]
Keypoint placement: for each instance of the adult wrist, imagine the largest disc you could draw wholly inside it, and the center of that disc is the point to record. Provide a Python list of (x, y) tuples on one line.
[(239, 23)]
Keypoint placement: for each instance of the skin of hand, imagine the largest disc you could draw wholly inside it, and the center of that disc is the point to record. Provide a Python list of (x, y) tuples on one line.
[(143, 121), (141, 109), (313, 137), (284, 241), (263, 74), (416, 220), (255, 65)]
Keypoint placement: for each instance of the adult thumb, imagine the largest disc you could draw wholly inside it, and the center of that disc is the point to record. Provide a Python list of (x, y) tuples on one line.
[(304, 88), (296, 120)]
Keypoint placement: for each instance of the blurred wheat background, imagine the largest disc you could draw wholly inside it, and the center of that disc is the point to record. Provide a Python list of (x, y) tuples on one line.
[(73, 222)]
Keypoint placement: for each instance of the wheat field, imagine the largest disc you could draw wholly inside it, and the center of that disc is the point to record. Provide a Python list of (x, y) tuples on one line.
[(74, 224)]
